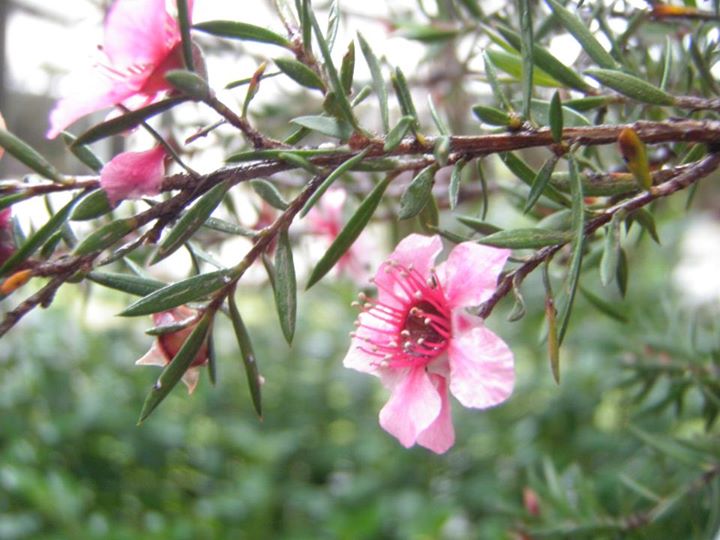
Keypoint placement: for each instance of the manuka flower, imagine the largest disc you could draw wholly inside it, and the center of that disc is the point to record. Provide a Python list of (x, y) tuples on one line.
[(325, 220), (166, 346), (142, 42), (7, 245), (419, 339), (133, 174)]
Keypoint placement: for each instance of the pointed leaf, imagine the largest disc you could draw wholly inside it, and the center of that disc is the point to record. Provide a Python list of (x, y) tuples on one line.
[(529, 238), (248, 355), (184, 16), (556, 117), (82, 152), (402, 91), (540, 182), (631, 86), (417, 194), (493, 81), (332, 127), (96, 204), (176, 294), (337, 173), (378, 82), (478, 225), (299, 73), (242, 31), (128, 283), (396, 134), (173, 372), (491, 115), (285, 286), (454, 187), (526, 50), (189, 83), (611, 251), (347, 69), (106, 236), (268, 193), (350, 232), (28, 156)]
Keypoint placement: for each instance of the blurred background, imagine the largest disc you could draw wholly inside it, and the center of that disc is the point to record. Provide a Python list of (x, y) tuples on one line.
[(620, 449)]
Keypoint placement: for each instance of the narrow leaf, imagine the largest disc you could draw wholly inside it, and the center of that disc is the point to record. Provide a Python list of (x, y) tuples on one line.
[(350, 232), (184, 23), (127, 121), (96, 204), (483, 227), (128, 283), (579, 30), (529, 238), (491, 115), (347, 69), (402, 91), (106, 236), (299, 73), (526, 50), (242, 31), (285, 286), (631, 86), (396, 134), (540, 182), (269, 193), (176, 294), (248, 355), (337, 173), (332, 127), (189, 83), (378, 82), (611, 310), (173, 372), (42, 235), (190, 221), (454, 187), (28, 156), (556, 117), (82, 152), (491, 74), (417, 193), (611, 251)]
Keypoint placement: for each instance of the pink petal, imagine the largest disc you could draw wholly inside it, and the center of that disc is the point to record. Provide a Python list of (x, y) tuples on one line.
[(5, 216), (440, 435), (190, 378), (139, 32), (358, 357), (154, 357), (469, 276), (414, 251), (481, 364), (133, 174), (413, 406)]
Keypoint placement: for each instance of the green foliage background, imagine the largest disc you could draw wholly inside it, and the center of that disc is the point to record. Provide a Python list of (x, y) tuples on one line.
[(74, 464)]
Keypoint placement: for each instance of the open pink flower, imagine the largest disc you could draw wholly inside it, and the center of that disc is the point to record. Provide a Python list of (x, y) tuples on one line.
[(142, 42), (168, 345), (418, 338), (133, 174), (325, 219)]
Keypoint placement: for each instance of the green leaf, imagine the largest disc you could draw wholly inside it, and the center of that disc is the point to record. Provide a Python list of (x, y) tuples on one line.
[(454, 187), (242, 31), (176, 294), (257, 155), (173, 372), (189, 83), (529, 238), (491, 115), (28, 156), (299, 73), (350, 232), (587, 103), (493, 81), (248, 355), (127, 121), (647, 222), (347, 69), (269, 193), (631, 86), (128, 283), (82, 152), (332, 127), (478, 225), (296, 159), (94, 205), (441, 150), (337, 173), (526, 50), (378, 82), (106, 236), (547, 62), (184, 17), (551, 316), (512, 65), (342, 99), (42, 235), (622, 273), (285, 286), (540, 182), (611, 250), (426, 33), (605, 307), (525, 173), (396, 134), (333, 23), (578, 226), (221, 225), (402, 91), (417, 193), (556, 117), (439, 122), (191, 221), (579, 30)]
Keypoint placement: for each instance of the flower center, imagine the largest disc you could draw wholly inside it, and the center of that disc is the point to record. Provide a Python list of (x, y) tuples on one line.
[(410, 326)]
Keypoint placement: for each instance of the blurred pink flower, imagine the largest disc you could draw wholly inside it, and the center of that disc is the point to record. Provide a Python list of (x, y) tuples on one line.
[(325, 220), (166, 346), (418, 338), (7, 246), (133, 174), (142, 42)]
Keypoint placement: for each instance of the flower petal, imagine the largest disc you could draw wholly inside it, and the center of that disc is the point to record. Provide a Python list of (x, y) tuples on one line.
[(469, 276), (413, 406), (414, 251), (191, 378), (440, 435), (481, 364), (139, 32), (154, 357), (133, 174)]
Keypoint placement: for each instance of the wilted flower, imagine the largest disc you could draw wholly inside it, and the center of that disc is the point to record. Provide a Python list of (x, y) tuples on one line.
[(133, 174), (418, 338), (142, 42), (325, 220), (166, 346)]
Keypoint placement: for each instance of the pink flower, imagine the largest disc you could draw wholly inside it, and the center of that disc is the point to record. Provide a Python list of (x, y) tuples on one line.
[(167, 346), (7, 245), (326, 220), (133, 174), (418, 338), (142, 42)]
